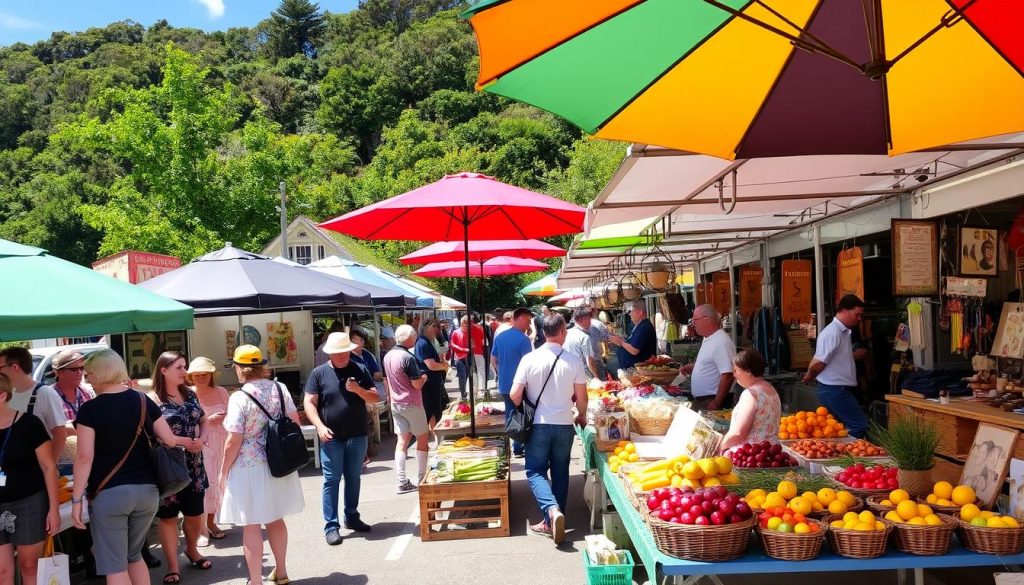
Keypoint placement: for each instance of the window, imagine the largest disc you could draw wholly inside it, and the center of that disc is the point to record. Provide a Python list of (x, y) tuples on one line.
[(303, 254), (320, 253)]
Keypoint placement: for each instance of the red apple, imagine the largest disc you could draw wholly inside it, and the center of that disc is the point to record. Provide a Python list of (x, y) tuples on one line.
[(702, 521)]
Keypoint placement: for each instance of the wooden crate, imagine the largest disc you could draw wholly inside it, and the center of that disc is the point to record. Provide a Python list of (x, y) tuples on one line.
[(956, 434), (475, 502)]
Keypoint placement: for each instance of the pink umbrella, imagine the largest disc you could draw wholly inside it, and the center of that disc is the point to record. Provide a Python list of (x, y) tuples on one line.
[(497, 266), (482, 250)]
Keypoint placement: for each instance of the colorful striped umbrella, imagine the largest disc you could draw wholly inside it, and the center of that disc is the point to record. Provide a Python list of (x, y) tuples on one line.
[(545, 287), (745, 79)]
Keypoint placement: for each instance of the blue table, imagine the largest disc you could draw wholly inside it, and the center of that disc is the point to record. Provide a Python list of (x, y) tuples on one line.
[(659, 565)]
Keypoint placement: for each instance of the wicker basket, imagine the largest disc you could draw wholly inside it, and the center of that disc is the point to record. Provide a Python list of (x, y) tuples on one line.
[(636, 497), (857, 506), (916, 483), (701, 543), (875, 504), (658, 377), (951, 510), (924, 540), (787, 546), (646, 425), (857, 544), (992, 541)]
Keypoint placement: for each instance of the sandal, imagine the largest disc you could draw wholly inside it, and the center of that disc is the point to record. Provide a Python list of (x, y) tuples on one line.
[(200, 563), (217, 534), (273, 578), (172, 579)]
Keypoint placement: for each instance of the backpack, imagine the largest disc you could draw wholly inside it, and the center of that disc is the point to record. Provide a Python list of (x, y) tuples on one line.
[(286, 445)]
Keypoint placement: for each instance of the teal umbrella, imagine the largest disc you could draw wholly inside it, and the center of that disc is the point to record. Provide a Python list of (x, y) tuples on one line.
[(44, 296)]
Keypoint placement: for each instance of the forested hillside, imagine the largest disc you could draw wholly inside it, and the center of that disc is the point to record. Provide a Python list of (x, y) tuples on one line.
[(173, 140)]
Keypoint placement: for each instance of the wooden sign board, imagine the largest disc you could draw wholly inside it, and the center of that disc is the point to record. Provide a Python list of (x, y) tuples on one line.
[(722, 293), (915, 257), (800, 352), (751, 277), (796, 291), (849, 274)]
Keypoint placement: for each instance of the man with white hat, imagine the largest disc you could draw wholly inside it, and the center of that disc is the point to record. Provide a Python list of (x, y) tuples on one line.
[(335, 402)]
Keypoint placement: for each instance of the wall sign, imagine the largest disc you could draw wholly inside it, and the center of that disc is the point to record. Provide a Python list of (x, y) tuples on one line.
[(915, 258), (722, 293), (850, 273), (796, 291), (751, 277)]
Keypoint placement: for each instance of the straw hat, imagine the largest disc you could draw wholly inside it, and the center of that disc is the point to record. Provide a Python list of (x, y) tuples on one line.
[(247, 355), (65, 358), (201, 365), (338, 342)]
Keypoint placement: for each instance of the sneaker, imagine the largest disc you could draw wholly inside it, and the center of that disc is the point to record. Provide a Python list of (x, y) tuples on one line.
[(357, 525), (405, 487), (519, 455), (332, 537), (557, 526), (540, 529)]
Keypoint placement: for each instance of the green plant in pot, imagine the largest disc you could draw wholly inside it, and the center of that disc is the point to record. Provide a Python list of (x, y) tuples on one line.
[(911, 442)]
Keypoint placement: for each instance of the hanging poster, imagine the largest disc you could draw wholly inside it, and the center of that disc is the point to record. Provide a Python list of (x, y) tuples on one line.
[(704, 293), (796, 291), (915, 258), (722, 293), (281, 346), (230, 342), (143, 349), (978, 251), (850, 273), (751, 277), (1009, 341)]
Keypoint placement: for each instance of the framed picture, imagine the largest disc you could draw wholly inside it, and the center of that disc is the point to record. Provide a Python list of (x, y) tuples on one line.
[(989, 461), (1015, 483), (978, 249), (915, 258), (1009, 340)]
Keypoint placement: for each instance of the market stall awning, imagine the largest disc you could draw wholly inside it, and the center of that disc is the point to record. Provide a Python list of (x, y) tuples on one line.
[(543, 287), (361, 273), (84, 303), (497, 266)]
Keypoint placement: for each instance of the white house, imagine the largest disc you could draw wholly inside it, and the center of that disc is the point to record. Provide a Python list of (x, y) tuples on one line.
[(306, 243)]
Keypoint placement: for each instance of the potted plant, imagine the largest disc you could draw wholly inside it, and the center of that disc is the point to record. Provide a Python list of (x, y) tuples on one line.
[(911, 443), (657, 275)]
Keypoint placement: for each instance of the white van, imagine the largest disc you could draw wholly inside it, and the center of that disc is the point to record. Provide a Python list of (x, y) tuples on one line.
[(42, 358)]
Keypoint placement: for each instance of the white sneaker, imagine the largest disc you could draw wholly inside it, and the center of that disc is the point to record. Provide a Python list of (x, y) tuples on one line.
[(557, 526), (405, 487)]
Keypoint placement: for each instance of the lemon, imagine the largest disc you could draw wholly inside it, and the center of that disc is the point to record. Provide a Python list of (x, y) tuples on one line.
[(923, 510), (850, 525), (826, 496), (724, 465), (708, 466), (729, 479), (712, 481), (1010, 522), (809, 496), (837, 507), (773, 523), (834, 524), (677, 481), (755, 493), (893, 516), (942, 502), (800, 506), (691, 483), (906, 509), (917, 521), (943, 490), (932, 499), (863, 526), (846, 498), (886, 503), (867, 516), (962, 495), (995, 522), (774, 500), (851, 517), (786, 489), (986, 514), (932, 520), (879, 525), (802, 528), (817, 507), (692, 471), (897, 496), (633, 457)]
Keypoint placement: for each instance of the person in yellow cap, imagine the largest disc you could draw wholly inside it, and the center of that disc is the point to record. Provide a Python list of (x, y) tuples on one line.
[(253, 497)]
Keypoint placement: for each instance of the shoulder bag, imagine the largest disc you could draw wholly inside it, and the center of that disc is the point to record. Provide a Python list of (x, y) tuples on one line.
[(520, 424), (286, 445)]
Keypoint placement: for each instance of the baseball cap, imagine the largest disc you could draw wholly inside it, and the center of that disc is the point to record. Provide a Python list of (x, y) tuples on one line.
[(247, 355)]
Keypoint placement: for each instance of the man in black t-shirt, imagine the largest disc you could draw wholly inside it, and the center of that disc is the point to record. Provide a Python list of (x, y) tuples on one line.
[(335, 402)]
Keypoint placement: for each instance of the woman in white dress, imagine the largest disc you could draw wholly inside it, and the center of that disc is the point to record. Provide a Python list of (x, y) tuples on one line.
[(253, 497)]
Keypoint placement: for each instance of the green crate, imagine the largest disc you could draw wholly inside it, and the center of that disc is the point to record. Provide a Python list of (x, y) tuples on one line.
[(609, 574)]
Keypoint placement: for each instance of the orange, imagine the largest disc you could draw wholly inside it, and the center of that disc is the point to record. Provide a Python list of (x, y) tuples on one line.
[(963, 495), (837, 507), (943, 490), (821, 410), (907, 509), (841, 433), (786, 489)]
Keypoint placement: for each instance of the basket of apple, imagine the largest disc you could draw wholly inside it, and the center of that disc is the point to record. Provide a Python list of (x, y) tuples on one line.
[(761, 455), (789, 536), (707, 524)]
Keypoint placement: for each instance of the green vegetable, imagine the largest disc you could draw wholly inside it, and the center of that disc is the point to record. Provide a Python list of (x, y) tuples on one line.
[(768, 480)]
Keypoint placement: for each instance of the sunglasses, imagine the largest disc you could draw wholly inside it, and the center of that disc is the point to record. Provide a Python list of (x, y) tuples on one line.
[(78, 369)]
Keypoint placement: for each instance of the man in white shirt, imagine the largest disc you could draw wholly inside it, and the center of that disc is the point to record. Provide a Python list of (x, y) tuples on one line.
[(834, 369), (578, 341), (34, 398), (711, 373), (551, 377)]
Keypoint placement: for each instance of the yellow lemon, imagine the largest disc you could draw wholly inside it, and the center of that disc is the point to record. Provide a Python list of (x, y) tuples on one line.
[(774, 522), (630, 447), (774, 500), (932, 520), (801, 528), (724, 465), (917, 521), (846, 498), (677, 481), (923, 510), (786, 489), (886, 503), (963, 495), (943, 490), (851, 517), (633, 457), (864, 526), (809, 496), (757, 493), (691, 483), (835, 524), (995, 522), (850, 525), (987, 514), (817, 507), (708, 466), (837, 507), (942, 502), (893, 516), (879, 525), (906, 509), (866, 516), (897, 496), (729, 479), (800, 506), (1010, 522), (692, 471), (826, 496), (618, 450), (712, 481), (932, 499)]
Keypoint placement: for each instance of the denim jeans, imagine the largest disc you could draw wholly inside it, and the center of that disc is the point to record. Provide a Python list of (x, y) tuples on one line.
[(517, 447), (841, 401), (463, 373), (341, 458), (549, 449)]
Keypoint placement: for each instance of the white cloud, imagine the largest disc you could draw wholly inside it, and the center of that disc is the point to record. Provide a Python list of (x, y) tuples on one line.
[(11, 21), (214, 7)]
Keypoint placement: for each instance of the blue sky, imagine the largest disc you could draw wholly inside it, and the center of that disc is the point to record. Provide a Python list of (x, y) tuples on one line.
[(33, 20)]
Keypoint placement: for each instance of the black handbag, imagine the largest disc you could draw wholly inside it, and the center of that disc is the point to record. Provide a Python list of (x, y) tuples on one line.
[(520, 424), (286, 445), (172, 474)]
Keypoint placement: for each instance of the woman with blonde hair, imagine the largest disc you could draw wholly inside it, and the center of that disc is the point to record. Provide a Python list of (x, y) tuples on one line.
[(186, 417), (202, 374), (113, 465), (252, 496)]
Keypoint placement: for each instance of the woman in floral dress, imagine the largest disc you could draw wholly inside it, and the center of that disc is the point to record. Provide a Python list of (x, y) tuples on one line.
[(202, 373), (758, 410), (183, 413)]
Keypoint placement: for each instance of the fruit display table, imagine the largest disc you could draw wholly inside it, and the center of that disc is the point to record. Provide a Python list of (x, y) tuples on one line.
[(660, 565), (485, 423)]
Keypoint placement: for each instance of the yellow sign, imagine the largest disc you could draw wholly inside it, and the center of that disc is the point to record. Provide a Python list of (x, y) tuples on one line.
[(796, 291), (722, 293), (750, 290), (850, 273)]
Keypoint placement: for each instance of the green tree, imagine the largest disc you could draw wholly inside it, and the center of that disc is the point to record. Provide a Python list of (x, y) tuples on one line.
[(295, 27)]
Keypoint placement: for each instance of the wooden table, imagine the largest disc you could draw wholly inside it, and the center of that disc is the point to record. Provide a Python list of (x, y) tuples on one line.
[(957, 422), (489, 424)]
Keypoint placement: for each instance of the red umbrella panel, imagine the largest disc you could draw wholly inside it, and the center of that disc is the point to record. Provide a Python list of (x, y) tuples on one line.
[(497, 266), (466, 206), (482, 250)]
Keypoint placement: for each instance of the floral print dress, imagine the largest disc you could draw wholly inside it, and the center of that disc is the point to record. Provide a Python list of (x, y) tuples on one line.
[(184, 422), (767, 412)]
